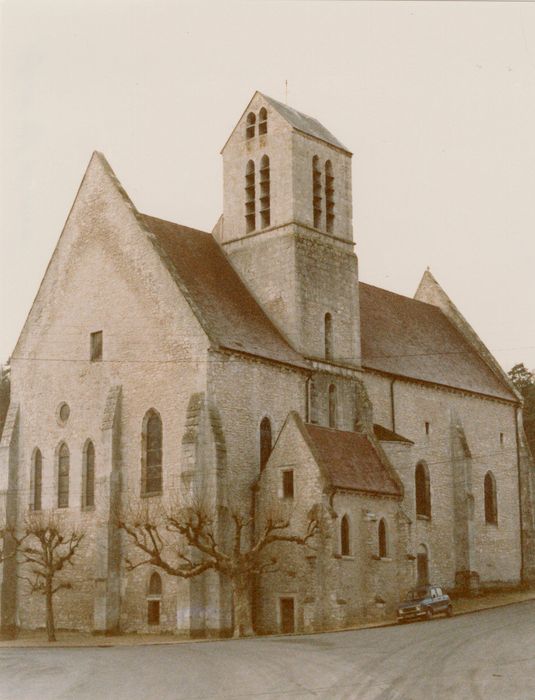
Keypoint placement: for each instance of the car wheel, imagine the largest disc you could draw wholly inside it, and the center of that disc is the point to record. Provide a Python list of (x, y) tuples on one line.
[(449, 611), (428, 614)]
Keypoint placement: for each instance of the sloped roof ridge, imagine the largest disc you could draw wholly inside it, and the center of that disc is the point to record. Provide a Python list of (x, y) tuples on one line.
[(403, 296), (304, 122)]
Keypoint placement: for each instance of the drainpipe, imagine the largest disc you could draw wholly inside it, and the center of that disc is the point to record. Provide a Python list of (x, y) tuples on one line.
[(521, 515), (392, 405)]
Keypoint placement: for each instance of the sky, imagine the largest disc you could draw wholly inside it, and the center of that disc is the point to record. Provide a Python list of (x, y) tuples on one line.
[(435, 100)]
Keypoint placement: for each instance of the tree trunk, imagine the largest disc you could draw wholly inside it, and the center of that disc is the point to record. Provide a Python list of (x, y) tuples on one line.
[(50, 628), (241, 598)]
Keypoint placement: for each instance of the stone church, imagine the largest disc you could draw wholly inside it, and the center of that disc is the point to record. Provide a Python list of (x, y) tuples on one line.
[(252, 362)]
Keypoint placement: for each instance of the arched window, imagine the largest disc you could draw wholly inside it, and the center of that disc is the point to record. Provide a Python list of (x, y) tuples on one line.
[(250, 125), (382, 541), (316, 191), (328, 332), (265, 198), (491, 501), (37, 480), (422, 490), (329, 196), (155, 584), (422, 565), (332, 406), (154, 599), (262, 121), (151, 454), (88, 476), (265, 441), (63, 476), (345, 539), (250, 195)]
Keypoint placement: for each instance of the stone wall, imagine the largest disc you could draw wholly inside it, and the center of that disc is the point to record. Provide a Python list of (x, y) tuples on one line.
[(329, 590), (104, 275), (495, 551)]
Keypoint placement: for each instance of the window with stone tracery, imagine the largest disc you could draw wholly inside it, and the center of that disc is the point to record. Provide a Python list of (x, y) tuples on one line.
[(63, 476), (151, 461)]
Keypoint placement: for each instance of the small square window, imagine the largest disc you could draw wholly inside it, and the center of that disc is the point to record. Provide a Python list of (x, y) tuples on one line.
[(96, 346), (288, 483)]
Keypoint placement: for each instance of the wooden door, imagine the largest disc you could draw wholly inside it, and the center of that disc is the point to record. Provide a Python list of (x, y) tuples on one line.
[(287, 615)]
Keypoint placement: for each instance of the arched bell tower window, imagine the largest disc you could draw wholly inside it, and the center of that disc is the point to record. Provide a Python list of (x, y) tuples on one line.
[(328, 332), (491, 501), (262, 121), (250, 195), (332, 406), (329, 195), (265, 441), (316, 191), (265, 198), (250, 125), (423, 490)]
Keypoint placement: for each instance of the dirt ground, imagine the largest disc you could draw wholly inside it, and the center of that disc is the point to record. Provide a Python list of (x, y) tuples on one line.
[(67, 638)]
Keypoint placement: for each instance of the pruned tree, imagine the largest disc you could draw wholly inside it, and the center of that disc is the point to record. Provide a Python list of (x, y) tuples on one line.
[(524, 381), (47, 545), (184, 542)]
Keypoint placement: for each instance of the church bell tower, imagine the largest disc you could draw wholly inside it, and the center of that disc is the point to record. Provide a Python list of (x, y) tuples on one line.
[(287, 227)]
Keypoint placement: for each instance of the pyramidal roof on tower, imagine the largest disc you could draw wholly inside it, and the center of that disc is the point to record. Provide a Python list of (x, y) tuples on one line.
[(302, 122)]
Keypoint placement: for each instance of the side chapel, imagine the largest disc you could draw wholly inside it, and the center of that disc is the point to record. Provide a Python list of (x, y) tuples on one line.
[(251, 363)]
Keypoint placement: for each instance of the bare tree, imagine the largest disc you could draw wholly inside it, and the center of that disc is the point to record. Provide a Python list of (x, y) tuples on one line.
[(47, 545), (184, 542)]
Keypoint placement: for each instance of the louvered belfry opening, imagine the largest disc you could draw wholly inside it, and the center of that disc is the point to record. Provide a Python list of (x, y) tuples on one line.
[(329, 196), (250, 195), (250, 125), (316, 191), (262, 122), (265, 195)]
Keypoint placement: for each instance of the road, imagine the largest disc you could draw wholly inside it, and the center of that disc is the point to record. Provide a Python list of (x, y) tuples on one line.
[(483, 656)]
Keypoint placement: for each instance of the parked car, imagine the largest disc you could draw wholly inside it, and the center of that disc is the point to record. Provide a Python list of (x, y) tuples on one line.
[(424, 602)]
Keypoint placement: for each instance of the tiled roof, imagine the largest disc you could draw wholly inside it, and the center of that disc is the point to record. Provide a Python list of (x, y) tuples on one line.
[(304, 123), (352, 461), (409, 338), (224, 306), (386, 435)]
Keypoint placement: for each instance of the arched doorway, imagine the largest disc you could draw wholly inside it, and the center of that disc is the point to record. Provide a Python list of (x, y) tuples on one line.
[(422, 565)]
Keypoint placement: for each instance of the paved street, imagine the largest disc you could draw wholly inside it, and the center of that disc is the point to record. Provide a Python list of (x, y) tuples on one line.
[(488, 655)]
